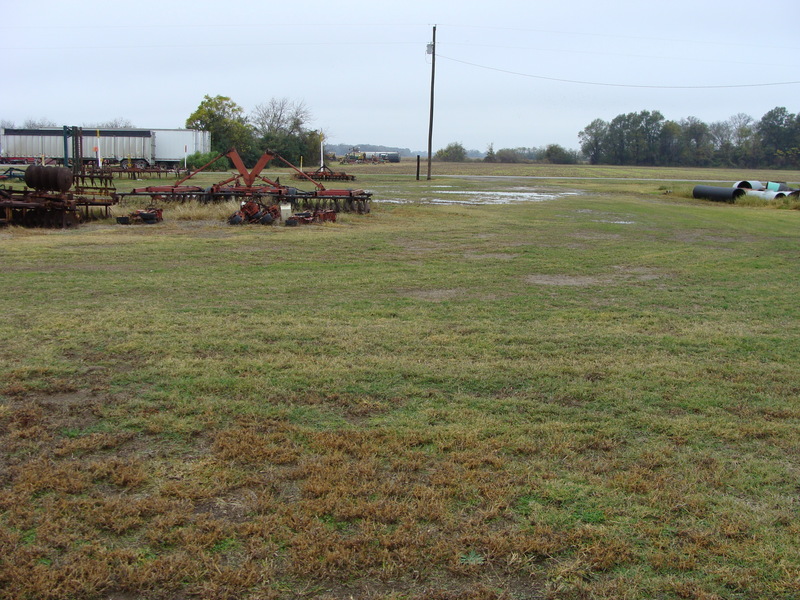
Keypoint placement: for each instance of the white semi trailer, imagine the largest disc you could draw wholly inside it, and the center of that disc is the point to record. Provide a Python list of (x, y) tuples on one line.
[(139, 148)]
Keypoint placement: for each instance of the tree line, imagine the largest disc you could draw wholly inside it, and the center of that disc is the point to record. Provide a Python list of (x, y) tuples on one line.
[(637, 138), (552, 153), (647, 138)]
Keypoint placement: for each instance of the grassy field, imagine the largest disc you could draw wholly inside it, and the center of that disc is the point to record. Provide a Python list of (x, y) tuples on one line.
[(590, 396)]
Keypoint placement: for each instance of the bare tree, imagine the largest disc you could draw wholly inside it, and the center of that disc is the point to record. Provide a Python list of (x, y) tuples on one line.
[(722, 133), (117, 123), (742, 128), (37, 123), (6, 124), (280, 115)]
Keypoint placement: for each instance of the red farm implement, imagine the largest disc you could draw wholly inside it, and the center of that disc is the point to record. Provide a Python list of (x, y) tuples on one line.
[(325, 173), (249, 185)]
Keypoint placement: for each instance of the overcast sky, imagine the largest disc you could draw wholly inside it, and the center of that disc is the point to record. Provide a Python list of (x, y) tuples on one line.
[(508, 73)]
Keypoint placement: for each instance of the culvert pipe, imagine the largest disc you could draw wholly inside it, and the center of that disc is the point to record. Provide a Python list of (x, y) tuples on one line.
[(778, 186), (749, 185), (765, 194), (717, 194)]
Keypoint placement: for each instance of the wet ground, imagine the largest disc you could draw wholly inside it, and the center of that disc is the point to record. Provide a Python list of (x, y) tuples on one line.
[(473, 197)]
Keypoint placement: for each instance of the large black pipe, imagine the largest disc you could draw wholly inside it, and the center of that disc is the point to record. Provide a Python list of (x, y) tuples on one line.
[(718, 194)]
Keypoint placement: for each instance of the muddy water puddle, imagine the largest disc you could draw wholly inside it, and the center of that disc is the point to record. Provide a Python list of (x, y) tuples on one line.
[(443, 196)]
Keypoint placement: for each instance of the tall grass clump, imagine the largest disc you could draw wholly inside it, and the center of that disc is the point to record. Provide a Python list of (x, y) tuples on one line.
[(785, 202), (203, 211)]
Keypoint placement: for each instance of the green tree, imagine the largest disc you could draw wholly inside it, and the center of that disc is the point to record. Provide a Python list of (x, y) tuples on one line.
[(618, 144), (226, 122), (650, 124), (777, 130), (669, 144), (633, 138), (645, 138), (200, 159), (558, 155), (696, 143), (453, 152), (515, 155), (629, 139), (305, 144), (593, 140), (490, 155)]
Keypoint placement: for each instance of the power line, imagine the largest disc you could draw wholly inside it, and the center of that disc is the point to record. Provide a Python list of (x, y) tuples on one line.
[(594, 52), (258, 44), (620, 85), (606, 35)]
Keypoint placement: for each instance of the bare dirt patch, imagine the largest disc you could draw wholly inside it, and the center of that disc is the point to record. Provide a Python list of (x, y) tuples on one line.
[(421, 246), (621, 274), (490, 255), (702, 236), (594, 236), (435, 295), (570, 280), (638, 273)]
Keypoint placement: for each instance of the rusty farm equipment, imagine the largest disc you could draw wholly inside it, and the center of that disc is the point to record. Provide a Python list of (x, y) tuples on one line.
[(55, 197), (251, 185), (148, 216), (12, 173), (254, 211), (307, 217), (325, 173)]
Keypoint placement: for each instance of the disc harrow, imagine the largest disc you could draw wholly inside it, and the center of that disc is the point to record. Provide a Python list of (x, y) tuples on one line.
[(54, 197), (325, 173), (249, 185)]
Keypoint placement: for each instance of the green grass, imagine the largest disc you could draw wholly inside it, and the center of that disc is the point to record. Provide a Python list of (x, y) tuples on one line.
[(588, 397)]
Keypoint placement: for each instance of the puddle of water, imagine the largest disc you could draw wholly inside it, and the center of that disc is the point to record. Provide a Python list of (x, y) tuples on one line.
[(474, 198)]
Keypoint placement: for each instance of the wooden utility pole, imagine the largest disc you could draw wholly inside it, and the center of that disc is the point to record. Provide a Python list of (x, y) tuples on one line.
[(432, 52)]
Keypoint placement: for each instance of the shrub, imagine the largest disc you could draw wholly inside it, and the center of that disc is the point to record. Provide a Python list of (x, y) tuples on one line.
[(454, 152), (198, 159)]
